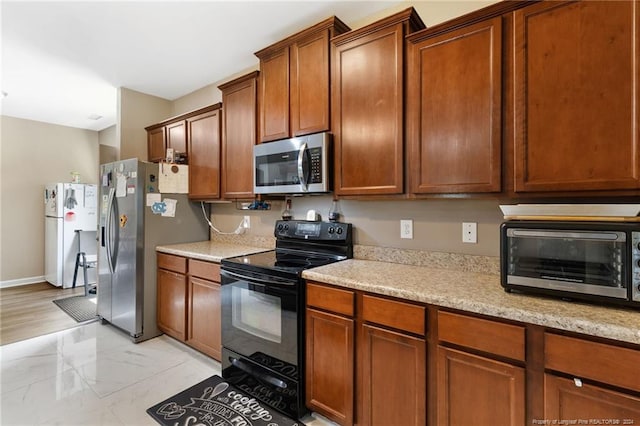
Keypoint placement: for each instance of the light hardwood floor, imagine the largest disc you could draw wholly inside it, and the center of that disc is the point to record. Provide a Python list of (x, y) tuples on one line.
[(28, 311)]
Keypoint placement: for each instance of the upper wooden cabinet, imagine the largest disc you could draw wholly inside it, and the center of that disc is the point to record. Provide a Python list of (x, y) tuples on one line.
[(171, 133), (156, 144), (239, 98), (368, 106), (576, 96), (203, 135), (177, 136), (454, 120), (294, 83)]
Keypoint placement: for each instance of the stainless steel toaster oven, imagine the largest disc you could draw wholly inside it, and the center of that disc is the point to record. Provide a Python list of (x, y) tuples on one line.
[(592, 261)]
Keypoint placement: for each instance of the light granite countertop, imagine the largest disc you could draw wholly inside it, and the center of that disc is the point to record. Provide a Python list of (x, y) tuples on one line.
[(438, 279), (478, 293), (212, 251)]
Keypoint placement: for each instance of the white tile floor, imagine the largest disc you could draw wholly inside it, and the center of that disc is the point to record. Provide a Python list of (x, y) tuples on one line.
[(95, 375)]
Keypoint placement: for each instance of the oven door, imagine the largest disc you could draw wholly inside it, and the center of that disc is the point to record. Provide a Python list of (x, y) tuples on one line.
[(260, 316)]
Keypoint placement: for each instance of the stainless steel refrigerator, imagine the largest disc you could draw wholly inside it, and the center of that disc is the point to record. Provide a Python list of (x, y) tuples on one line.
[(134, 219)]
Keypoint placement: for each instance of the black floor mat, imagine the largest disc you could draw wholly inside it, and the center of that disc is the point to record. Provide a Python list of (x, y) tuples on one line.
[(215, 402), (80, 308)]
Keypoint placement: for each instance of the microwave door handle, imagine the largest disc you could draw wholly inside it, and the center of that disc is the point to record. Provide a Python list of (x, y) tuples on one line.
[(301, 176)]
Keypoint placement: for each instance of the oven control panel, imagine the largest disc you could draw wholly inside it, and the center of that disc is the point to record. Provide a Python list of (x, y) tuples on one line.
[(313, 230)]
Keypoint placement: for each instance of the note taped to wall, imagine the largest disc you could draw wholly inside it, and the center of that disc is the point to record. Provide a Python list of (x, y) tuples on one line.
[(173, 179)]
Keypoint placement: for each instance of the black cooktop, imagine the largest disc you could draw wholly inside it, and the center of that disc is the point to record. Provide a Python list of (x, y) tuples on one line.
[(300, 245), (288, 262)]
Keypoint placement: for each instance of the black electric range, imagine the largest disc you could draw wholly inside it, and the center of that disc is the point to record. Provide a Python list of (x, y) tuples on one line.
[(263, 299)]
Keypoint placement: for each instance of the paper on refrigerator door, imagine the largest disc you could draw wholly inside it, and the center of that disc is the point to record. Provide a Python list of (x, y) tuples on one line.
[(121, 186), (173, 179), (170, 210)]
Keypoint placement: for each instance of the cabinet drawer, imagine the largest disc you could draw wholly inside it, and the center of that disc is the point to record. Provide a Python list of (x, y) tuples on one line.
[(172, 263), (331, 299), (484, 335), (400, 315), (590, 360), (207, 270)]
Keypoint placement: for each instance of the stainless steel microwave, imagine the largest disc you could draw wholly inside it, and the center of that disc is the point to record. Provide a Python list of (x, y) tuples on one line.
[(591, 261), (293, 166)]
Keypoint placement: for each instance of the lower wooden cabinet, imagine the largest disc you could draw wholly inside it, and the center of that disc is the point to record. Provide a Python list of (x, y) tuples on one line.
[(393, 377), (569, 399), (474, 390), (330, 373), (204, 322), (374, 360), (189, 302), (172, 303), (385, 368)]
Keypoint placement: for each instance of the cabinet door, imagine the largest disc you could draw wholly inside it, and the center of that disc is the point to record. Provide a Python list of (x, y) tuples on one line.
[(239, 138), (576, 96), (172, 303), (204, 155), (310, 85), (329, 365), (156, 144), (394, 378), (454, 113), (564, 400), (367, 102), (177, 137), (473, 390), (204, 317), (274, 96)]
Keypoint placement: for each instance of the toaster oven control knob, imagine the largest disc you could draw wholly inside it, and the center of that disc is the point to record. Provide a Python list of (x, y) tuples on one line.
[(280, 226), (339, 231), (331, 230)]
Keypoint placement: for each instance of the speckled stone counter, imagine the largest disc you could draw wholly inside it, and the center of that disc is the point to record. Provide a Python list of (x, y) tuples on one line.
[(212, 251), (478, 293)]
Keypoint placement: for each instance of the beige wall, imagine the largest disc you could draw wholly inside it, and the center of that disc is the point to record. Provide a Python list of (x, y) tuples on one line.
[(135, 112), (32, 155), (109, 145)]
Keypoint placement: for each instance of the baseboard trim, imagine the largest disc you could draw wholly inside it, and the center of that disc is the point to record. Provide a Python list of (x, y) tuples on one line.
[(21, 281)]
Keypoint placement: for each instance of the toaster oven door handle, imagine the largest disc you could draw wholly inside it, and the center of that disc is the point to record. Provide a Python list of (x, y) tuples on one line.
[(301, 175), (598, 236)]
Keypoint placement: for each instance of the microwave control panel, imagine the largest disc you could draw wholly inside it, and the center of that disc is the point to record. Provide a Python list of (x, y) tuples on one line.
[(635, 266)]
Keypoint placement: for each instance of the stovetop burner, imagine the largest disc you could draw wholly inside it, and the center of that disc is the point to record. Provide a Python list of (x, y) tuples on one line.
[(300, 245)]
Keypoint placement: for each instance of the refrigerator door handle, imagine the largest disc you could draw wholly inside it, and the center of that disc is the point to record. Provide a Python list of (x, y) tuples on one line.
[(111, 234)]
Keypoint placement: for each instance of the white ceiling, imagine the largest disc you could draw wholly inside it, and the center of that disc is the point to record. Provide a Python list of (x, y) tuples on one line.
[(63, 61)]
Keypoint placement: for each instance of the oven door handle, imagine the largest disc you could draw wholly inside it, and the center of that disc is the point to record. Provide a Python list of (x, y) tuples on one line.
[(254, 371), (257, 281)]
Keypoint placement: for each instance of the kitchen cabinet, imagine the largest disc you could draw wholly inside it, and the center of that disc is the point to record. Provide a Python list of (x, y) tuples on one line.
[(172, 295), (466, 372), (576, 131), (203, 138), (156, 144), (239, 127), (455, 112), (337, 369), (177, 137), (368, 106), (610, 374), (188, 297), (330, 352), (171, 133), (204, 315), (294, 97), (392, 359)]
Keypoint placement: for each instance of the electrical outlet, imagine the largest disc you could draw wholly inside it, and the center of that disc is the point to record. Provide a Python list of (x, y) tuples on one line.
[(469, 232), (247, 222), (406, 228)]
